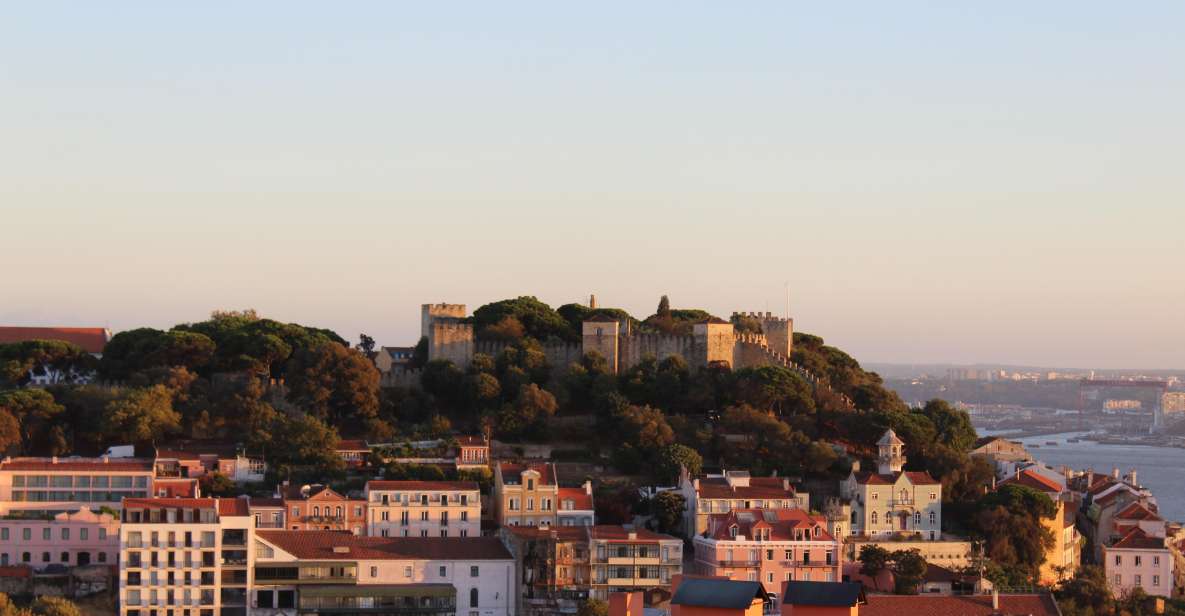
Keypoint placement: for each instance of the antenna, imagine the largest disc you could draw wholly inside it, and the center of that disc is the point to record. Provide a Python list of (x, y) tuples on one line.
[(787, 299)]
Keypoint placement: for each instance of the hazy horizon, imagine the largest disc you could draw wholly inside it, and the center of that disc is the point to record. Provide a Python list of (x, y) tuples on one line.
[(936, 184)]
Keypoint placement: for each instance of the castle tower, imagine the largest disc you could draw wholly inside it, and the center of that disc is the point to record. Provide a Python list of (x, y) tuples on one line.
[(451, 339), (600, 334), (890, 453), (714, 336), (779, 333), (429, 312)]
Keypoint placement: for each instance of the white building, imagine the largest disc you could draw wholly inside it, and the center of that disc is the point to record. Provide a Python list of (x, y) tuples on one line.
[(1139, 560), (311, 571), (423, 509), (892, 501), (185, 556), (52, 485)]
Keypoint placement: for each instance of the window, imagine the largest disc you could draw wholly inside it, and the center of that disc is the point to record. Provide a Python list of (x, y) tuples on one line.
[(769, 577), (45, 557), (443, 570), (296, 512), (874, 517), (102, 557), (65, 534), (1118, 579), (1156, 580), (464, 516), (407, 572), (65, 557), (1139, 560), (1137, 579), (917, 518), (472, 597), (102, 534), (4, 534), (752, 576), (933, 518), (769, 555), (1118, 559), (530, 484), (530, 504), (933, 496), (374, 572), (1155, 561), (473, 571), (46, 533)]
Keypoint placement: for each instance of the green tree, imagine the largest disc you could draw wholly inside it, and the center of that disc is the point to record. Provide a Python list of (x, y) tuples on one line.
[(953, 427), (10, 432), (593, 607), (365, 344), (909, 568), (642, 431), (873, 559), (334, 383), (1009, 521), (664, 308), (774, 388), (536, 318), (54, 606), (142, 415), (673, 458), (1086, 593), (305, 441), (8, 608), (668, 509), (37, 412), (217, 484), (19, 359)]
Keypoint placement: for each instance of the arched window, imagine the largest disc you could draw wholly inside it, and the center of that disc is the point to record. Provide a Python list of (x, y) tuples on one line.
[(874, 517), (316, 511), (933, 518), (917, 518), (472, 597), (339, 511)]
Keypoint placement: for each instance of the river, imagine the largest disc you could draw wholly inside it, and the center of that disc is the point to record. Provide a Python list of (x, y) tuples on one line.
[(1160, 469)]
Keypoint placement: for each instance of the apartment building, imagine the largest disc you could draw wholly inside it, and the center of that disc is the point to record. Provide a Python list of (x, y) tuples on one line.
[(268, 513), (48, 486), (185, 557), (318, 507), (190, 460), (473, 452), (735, 490), (73, 538), (423, 509), (1139, 560), (1064, 557), (769, 546), (553, 570), (525, 494), (312, 572), (623, 559)]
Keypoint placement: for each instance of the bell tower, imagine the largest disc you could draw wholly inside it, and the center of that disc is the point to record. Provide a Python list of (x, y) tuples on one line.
[(890, 453)]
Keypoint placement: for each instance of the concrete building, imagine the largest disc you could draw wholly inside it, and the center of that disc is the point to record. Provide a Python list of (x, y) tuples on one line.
[(52, 485), (623, 559), (525, 494), (184, 556), (318, 507), (769, 547), (735, 490), (74, 538), (312, 572), (423, 509), (891, 501), (1139, 560)]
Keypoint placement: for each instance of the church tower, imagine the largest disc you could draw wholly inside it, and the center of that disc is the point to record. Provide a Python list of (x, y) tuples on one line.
[(890, 453)]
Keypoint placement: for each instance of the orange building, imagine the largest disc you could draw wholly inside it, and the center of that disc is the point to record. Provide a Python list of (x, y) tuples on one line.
[(317, 507), (713, 596)]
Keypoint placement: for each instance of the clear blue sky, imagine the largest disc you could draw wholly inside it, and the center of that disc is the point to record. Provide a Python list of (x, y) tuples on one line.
[(991, 182)]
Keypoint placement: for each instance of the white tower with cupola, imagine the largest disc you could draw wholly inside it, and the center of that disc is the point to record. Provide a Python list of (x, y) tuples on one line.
[(890, 453)]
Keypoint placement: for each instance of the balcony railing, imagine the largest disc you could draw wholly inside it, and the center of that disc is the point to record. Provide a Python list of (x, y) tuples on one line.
[(740, 563)]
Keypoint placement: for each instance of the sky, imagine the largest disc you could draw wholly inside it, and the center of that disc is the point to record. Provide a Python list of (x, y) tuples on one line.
[(992, 182)]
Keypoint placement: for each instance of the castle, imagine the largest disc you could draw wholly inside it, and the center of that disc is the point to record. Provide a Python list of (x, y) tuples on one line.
[(452, 338)]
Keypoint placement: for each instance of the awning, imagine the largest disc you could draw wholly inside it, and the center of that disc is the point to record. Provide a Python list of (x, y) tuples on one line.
[(381, 590)]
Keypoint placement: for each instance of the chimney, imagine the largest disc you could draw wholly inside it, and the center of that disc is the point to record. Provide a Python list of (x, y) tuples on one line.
[(106, 458), (1132, 478), (1018, 473), (54, 460), (1089, 477), (588, 487), (995, 600), (592, 301), (1115, 472), (855, 466)]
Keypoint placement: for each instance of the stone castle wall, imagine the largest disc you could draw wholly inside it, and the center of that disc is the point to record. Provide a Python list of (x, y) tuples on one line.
[(431, 312), (451, 340)]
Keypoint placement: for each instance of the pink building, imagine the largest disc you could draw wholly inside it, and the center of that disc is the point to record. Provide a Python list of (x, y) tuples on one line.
[(81, 537), (768, 546)]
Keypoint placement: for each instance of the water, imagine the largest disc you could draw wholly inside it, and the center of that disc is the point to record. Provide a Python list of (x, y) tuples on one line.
[(1160, 469)]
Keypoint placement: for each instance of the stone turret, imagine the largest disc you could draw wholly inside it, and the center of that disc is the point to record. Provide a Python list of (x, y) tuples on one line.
[(890, 453), (716, 338), (431, 312), (600, 334)]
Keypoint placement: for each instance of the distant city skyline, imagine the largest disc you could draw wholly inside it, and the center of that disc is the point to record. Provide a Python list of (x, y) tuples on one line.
[(936, 184)]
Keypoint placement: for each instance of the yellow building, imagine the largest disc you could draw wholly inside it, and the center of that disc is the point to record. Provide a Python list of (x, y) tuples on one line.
[(525, 494), (1064, 558)]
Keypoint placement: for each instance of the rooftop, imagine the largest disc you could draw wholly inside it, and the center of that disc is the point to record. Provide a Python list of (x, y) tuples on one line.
[(224, 506), (581, 500), (621, 533), (917, 478), (1137, 539), (343, 545), (74, 464), (720, 594), (959, 605), (783, 524), (827, 594), (758, 487), (89, 339), (512, 472), (382, 484), (1035, 480)]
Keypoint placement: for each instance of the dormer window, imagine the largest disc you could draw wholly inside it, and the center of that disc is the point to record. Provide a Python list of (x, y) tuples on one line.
[(732, 531)]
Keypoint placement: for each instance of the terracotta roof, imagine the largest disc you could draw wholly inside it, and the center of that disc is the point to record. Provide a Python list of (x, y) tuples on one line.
[(759, 487), (469, 440), (381, 484), (1137, 539), (1035, 480), (89, 339), (1137, 511), (965, 605), (917, 478), (320, 544), (175, 488), (513, 470), (226, 506), (67, 465), (581, 500), (16, 571), (256, 501), (621, 533), (352, 445), (563, 533), (781, 524)]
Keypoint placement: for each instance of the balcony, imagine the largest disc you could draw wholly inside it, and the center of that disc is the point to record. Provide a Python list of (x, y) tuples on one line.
[(901, 503), (735, 564), (323, 519)]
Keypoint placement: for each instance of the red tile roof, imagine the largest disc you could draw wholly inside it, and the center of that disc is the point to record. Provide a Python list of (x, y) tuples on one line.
[(320, 544), (90, 339), (1137, 511), (469, 440), (175, 488), (69, 465), (782, 524), (970, 605), (352, 445), (1035, 480), (1137, 539), (581, 500), (382, 484), (562, 533), (513, 471), (917, 478), (16, 571), (226, 506), (759, 487), (621, 533), (256, 501)]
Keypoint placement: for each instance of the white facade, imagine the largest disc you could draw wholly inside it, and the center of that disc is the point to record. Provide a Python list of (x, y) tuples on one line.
[(423, 509), (893, 501), (1151, 570)]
